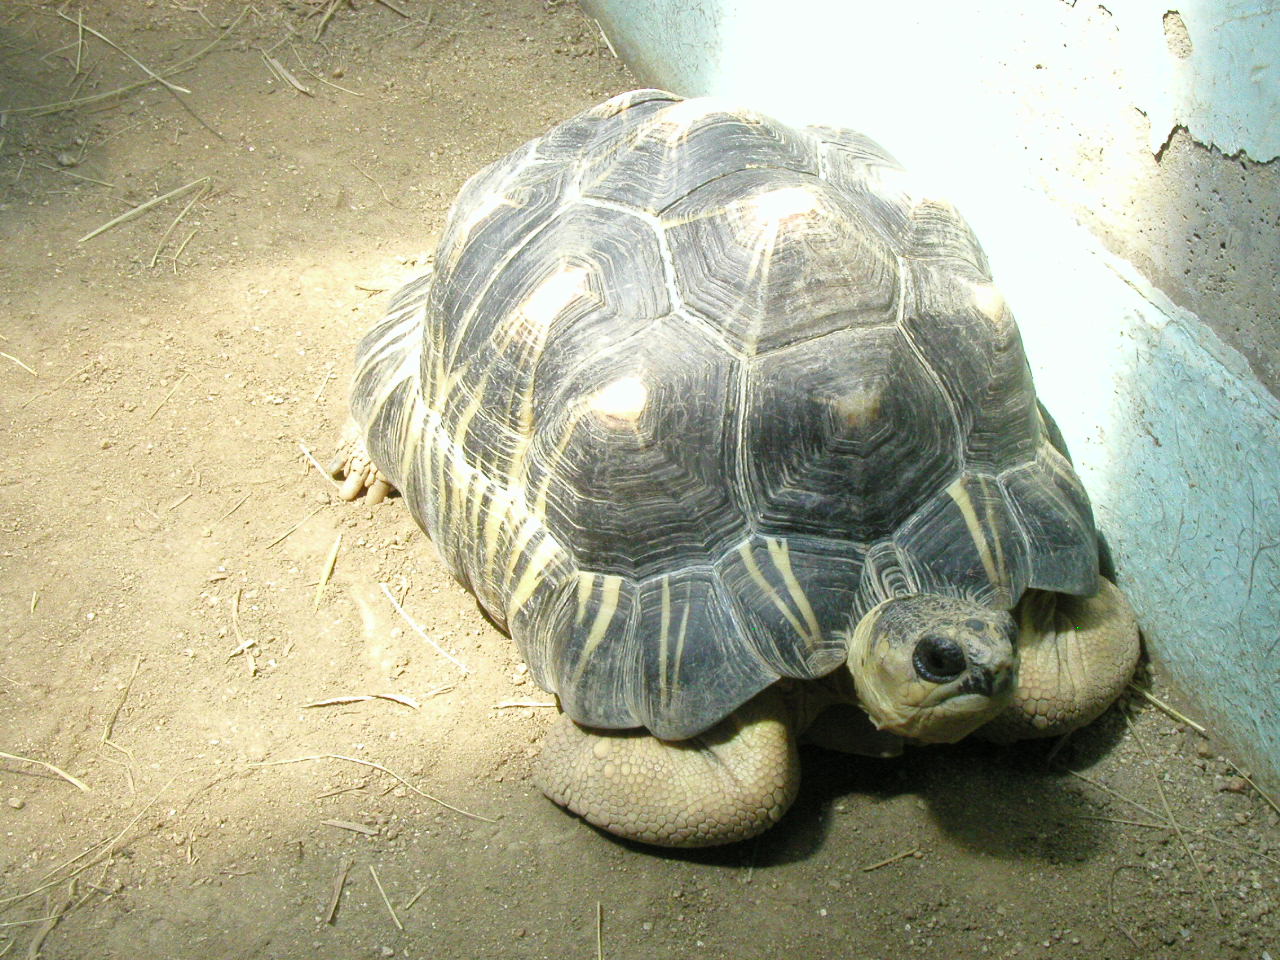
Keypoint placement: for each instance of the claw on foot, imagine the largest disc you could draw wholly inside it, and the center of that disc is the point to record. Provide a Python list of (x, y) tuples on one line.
[(355, 470)]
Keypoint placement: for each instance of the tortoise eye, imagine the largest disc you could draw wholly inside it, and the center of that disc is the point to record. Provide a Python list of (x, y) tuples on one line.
[(938, 659)]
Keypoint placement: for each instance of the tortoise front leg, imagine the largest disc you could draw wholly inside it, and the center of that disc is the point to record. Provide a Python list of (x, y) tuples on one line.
[(1075, 656), (730, 783)]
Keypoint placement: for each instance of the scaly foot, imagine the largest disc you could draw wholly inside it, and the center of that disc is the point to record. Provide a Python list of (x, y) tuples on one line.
[(352, 466)]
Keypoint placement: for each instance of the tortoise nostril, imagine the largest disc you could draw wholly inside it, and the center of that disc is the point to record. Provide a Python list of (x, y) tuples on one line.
[(938, 659)]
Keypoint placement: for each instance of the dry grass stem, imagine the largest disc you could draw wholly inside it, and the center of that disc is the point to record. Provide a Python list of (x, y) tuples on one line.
[(341, 790), (605, 37), (77, 176), (325, 18), (393, 8), (279, 69), (23, 923), (316, 463), (1196, 830), (364, 697), (362, 173), (115, 714), (119, 49), (181, 247), (422, 633), (288, 532), (179, 502), (239, 503), (79, 80), (326, 572), (378, 883), (79, 40), (353, 827), (315, 76), (48, 766), (512, 704), (376, 766), (339, 882), (203, 192), (37, 941), (235, 626), (1168, 812), (1115, 793), (9, 356), (894, 859), (1111, 899), (415, 898), (1249, 780), (180, 67), (110, 844), (142, 208), (1165, 708), (324, 383), (62, 383), (599, 931), (176, 385)]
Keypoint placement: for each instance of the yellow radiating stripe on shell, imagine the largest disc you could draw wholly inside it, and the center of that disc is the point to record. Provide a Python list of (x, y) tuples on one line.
[(586, 584), (748, 558), (575, 415), (479, 211), (529, 322), (780, 554), (464, 473), (412, 430), (499, 511), (665, 690), (542, 555), (528, 527), (664, 641), (610, 586), (993, 564)]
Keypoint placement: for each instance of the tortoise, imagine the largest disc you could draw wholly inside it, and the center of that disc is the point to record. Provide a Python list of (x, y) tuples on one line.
[(729, 428)]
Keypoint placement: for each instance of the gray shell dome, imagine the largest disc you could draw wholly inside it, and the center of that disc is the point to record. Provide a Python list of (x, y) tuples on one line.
[(688, 391)]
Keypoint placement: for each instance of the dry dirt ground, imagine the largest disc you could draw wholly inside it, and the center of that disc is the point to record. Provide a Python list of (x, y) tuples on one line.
[(167, 630)]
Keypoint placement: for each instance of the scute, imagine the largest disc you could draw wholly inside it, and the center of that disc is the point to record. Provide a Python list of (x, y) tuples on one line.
[(695, 666), (862, 168), (1053, 509), (647, 488), (845, 436), (773, 258), (966, 539), (967, 335), (668, 153), (794, 596)]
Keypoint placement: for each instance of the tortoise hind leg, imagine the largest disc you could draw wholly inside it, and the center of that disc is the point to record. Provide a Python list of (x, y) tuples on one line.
[(730, 783), (354, 469), (1075, 656)]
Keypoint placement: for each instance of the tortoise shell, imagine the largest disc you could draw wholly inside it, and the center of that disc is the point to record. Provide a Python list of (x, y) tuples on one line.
[(688, 391)]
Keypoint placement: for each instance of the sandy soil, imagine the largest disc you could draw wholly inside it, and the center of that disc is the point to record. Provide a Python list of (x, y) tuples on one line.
[(163, 538)]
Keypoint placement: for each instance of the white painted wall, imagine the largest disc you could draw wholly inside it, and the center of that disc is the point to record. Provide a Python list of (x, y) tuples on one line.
[(1020, 112)]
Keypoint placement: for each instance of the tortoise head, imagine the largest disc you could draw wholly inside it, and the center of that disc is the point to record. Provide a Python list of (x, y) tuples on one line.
[(933, 668)]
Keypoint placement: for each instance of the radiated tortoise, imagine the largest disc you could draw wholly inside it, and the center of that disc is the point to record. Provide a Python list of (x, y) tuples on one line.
[(732, 432)]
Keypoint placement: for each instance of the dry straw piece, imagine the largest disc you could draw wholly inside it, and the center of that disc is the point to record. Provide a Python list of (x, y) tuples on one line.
[(143, 208), (48, 766)]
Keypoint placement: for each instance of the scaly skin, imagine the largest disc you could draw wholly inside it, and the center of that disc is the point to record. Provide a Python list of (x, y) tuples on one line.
[(730, 783), (1075, 655)]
